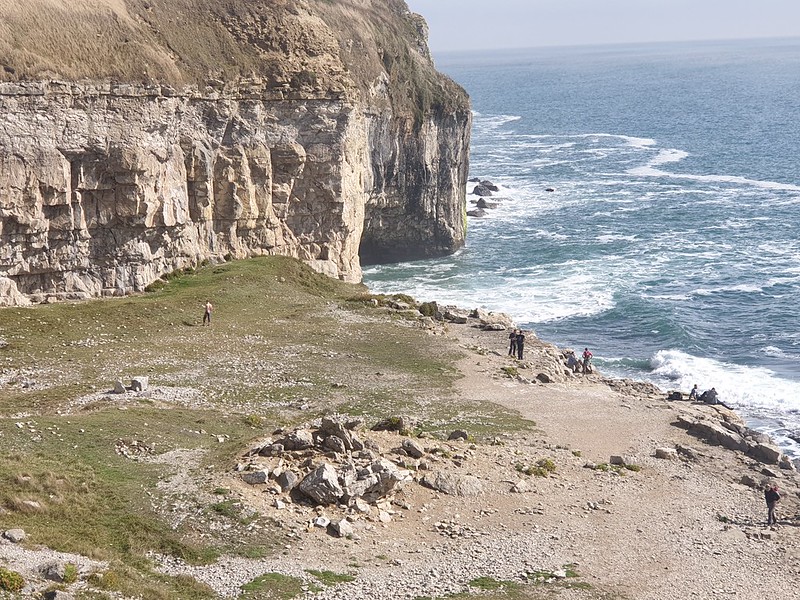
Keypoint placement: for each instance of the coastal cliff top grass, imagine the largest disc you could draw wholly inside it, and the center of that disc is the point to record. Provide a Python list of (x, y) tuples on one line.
[(308, 46), (83, 470)]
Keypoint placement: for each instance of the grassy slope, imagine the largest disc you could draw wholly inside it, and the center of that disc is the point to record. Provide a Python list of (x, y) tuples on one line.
[(286, 345)]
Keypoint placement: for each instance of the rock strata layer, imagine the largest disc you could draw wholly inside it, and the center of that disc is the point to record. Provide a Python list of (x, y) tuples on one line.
[(331, 139)]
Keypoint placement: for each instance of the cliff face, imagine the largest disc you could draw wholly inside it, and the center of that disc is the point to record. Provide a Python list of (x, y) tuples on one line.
[(316, 129)]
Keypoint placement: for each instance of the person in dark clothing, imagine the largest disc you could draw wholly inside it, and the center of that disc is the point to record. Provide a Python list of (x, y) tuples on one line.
[(772, 496), (520, 343), (693, 393), (512, 337)]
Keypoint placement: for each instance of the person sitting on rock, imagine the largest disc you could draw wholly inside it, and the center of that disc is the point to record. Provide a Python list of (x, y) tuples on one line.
[(693, 393), (573, 363), (710, 397)]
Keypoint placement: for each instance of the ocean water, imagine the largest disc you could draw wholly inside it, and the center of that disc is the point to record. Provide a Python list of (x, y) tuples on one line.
[(670, 245)]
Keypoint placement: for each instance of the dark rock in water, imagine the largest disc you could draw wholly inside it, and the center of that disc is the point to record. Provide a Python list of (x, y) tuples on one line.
[(549, 189), (476, 213), (489, 185), (482, 203), (481, 190), (474, 180)]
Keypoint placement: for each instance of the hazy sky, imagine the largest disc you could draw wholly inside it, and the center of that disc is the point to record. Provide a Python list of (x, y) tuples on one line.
[(481, 24)]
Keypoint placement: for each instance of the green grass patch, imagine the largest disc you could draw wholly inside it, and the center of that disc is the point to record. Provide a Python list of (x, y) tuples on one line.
[(272, 585), (329, 578)]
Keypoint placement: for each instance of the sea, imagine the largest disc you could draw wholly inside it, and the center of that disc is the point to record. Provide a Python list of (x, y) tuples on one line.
[(649, 209)]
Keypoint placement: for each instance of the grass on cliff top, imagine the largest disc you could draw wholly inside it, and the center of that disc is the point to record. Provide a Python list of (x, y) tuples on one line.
[(286, 345)]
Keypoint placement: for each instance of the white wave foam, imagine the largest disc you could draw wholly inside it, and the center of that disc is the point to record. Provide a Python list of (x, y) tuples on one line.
[(668, 156), (748, 388), (649, 170)]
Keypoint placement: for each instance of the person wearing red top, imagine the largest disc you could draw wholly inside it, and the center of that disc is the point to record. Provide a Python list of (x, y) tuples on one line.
[(587, 361)]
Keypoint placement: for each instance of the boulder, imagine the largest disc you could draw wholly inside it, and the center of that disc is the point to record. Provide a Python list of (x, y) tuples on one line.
[(300, 439), (412, 448), (715, 433), (53, 570), (458, 434), (454, 316), (479, 212), (489, 185), (322, 485), (15, 535), (341, 528), (544, 378), (335, 426), (667, 453), (481, 190), (765, 453), (482, 203), (335, 444), (287, 480), (119, 387), (521, 487), (256, 477), (466, 486), (140, 384), (57, 595)]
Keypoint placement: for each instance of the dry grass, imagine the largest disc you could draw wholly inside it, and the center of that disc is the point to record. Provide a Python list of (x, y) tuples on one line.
[(337, 46)]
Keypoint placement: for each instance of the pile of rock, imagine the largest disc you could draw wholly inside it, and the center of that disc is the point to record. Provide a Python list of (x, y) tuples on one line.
[(327, 465)]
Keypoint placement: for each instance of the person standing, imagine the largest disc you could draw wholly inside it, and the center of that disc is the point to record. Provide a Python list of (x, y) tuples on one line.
[(207, 313), (520, 343), (512, 337), (772, 496), (587, 361)]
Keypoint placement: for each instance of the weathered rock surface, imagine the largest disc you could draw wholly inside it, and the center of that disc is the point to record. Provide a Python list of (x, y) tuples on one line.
[(453, 484), (319, 142)]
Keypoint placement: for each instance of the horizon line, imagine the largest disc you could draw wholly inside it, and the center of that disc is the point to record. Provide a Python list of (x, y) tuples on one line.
[(618, 44)]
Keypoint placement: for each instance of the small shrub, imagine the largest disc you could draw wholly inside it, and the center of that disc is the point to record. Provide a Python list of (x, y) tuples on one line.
[(70, 573), (547, 464), (576, 453), (510, 371), (110, 580), (429, 309), (221, 491), (11, 581), (634, 468), (253, 421), (227, 508)]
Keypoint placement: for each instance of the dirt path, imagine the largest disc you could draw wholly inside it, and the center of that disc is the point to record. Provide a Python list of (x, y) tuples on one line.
[(657, 533)]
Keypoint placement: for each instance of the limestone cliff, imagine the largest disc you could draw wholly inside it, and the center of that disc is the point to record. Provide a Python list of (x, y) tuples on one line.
[(138, 137)]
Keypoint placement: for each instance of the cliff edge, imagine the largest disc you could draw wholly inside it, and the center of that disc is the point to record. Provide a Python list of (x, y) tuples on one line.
[(138, 137)]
